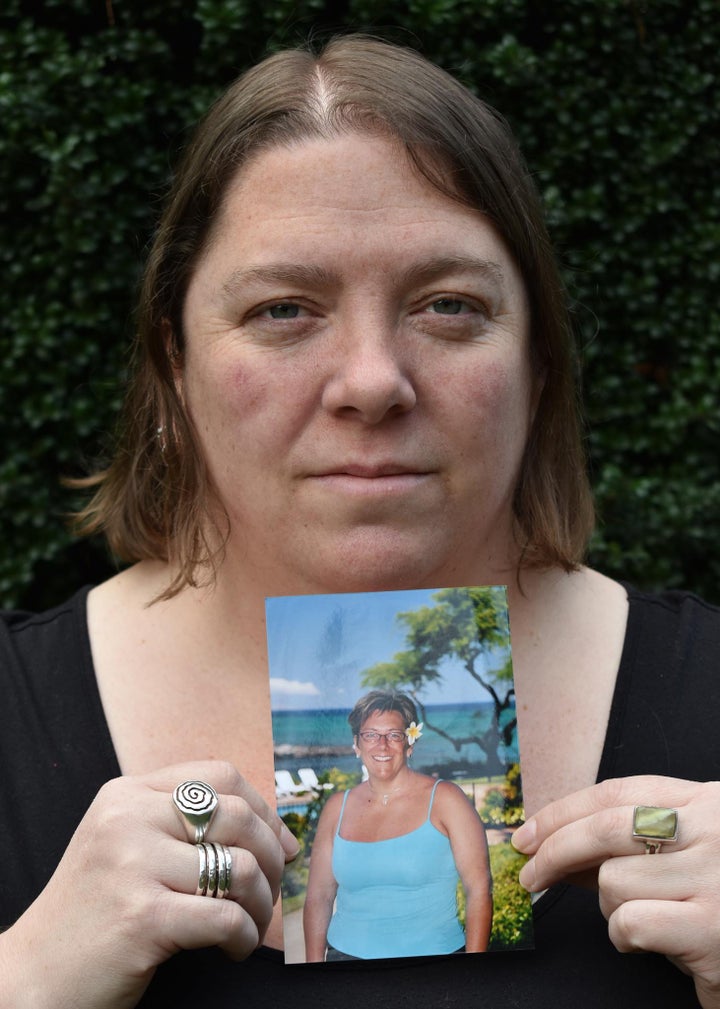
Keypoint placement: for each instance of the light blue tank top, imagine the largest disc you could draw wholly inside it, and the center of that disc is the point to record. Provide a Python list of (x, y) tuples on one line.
[(395, 897)]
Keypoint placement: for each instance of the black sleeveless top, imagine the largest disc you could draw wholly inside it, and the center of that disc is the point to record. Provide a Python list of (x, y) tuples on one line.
[(56, 752)]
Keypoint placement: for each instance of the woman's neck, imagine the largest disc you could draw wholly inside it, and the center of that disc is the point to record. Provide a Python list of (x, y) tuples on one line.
[(384, 790)]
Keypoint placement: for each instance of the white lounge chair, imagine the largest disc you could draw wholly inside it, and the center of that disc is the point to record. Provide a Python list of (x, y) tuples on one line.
[(285, 784), (310, 780)]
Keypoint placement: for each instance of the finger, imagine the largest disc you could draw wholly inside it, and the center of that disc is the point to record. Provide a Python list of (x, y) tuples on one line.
[(250, 888), (665, 877), (235, 826), (235, 823), (581, 845), (238, 786), (195, 922), (638, 790), (226, 781), (239, 827), (662, 926)]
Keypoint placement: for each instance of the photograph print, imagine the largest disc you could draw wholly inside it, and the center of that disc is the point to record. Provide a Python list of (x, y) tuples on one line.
[(397, 768)]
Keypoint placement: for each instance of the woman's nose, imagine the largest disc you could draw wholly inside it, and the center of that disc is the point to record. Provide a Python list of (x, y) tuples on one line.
[(368, 380)]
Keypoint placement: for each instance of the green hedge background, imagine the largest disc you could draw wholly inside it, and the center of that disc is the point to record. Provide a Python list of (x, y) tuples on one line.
[(615, 105)]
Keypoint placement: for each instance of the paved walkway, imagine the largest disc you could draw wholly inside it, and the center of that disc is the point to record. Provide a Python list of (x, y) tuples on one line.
[(294, 940)]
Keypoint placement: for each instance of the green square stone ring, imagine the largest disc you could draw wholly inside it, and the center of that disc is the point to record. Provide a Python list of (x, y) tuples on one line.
[(655, 825)]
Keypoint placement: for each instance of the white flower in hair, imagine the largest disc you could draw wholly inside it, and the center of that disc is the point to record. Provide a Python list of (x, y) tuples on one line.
[(413, 732)]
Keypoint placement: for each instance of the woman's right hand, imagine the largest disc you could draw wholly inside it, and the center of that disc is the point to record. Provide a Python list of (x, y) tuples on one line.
[(122, 899)]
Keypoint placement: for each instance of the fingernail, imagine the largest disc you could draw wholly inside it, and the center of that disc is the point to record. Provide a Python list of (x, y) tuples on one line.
[(527, 875), (290, 844), (523, 839)]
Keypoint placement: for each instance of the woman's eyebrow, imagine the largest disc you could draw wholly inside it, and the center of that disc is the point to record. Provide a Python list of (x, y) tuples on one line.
[(439, 266), (304, 275), (278, 273)]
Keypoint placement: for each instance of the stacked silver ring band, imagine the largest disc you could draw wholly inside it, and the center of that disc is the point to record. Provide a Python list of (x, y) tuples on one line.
[(214, 877)]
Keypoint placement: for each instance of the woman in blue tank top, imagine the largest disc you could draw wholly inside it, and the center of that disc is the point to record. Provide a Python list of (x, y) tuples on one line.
[(388, 853)]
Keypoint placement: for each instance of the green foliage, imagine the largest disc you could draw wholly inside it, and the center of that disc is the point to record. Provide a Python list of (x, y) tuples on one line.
[(295, 874), (466, 625), (462, 623), (615, 105), (296, 823), (343, 782), (512, 909), (503, 807), (304, 827)]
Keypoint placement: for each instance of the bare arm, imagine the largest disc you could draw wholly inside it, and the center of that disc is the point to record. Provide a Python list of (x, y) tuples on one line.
[(469, 846), (322, 886)]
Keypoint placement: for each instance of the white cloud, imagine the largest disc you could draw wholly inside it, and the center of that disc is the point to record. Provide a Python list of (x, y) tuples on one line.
[(282, 686)]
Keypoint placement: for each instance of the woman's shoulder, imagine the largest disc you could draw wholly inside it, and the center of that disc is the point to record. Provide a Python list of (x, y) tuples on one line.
[(453, 812), (333, 804), (448, 795)]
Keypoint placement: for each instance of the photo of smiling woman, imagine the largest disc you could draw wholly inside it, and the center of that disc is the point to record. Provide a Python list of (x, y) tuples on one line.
[(389, 852)]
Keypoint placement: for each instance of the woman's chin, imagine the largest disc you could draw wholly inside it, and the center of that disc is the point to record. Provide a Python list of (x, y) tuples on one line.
[(383, 771), (366, 564)]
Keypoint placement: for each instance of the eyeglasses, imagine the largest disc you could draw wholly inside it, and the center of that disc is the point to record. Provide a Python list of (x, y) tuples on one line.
[(395, 736)]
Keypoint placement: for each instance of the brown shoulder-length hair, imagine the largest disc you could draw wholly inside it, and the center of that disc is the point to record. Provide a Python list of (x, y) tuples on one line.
[(156, 500)]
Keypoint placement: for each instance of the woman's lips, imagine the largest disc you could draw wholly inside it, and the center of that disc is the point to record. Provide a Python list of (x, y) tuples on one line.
[(371, 480), (373, 472)]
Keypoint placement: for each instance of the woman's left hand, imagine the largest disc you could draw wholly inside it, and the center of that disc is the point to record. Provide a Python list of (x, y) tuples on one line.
[(668, 903)]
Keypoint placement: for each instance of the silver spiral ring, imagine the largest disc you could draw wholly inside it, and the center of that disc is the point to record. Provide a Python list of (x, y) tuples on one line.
[(197, 802)]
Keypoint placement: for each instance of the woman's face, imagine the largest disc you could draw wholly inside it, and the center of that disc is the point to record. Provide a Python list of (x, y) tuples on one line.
[(357, 369), (385, 757)]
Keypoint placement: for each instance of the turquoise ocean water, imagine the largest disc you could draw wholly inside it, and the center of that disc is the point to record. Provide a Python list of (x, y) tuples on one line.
[(321, 739)]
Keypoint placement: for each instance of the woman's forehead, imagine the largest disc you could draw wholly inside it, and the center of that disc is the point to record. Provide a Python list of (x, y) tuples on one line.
[(382, 718), (330, 205), (352, 173)]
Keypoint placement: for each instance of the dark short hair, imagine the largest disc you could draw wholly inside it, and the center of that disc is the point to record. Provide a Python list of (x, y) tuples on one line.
[(381, 701), (156, 499)]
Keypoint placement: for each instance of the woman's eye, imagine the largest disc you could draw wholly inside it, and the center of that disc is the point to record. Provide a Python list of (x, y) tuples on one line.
[(449, 306), (283, 310)]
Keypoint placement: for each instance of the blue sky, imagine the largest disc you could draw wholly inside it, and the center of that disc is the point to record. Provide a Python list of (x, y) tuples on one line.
[(320, 645)]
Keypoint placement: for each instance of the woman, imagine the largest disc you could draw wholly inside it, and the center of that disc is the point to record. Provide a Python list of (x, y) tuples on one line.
[(353, 372), (390, 851)]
